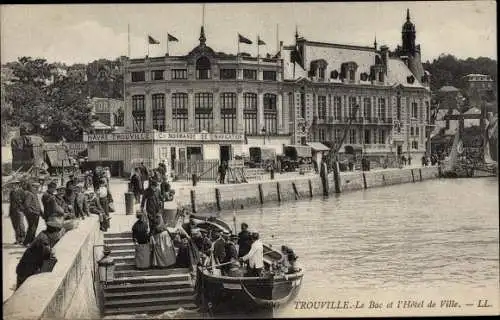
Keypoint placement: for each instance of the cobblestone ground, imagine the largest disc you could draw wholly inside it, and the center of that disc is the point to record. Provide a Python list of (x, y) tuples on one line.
[(119, 223)]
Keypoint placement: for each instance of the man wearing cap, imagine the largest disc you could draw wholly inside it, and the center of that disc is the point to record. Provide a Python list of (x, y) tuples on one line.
[(140, 236), (255, 257), (81, 204), (244, 241), (16, 211), (219, 248), (231, 258), (50, 205), (32, 211), (40, 250), (203, 244)]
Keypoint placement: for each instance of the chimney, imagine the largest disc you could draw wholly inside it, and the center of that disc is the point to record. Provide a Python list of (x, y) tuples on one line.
[(384, 50)]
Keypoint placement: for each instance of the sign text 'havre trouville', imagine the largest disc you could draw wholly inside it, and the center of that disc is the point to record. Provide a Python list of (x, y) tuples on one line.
[(163, 136)]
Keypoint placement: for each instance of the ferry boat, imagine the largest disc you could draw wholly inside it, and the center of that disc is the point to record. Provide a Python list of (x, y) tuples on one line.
[(222, 294)]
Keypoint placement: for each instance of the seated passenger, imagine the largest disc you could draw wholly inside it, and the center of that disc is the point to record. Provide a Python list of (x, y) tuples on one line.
[(289, 259), (255, 257), (203, 244), (232, 268), (189, 225)]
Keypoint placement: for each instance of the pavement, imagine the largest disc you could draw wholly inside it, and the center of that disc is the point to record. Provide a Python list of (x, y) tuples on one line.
[(119, 221)]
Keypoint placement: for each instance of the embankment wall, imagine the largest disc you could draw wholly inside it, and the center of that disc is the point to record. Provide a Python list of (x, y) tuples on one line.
[(68, 291)]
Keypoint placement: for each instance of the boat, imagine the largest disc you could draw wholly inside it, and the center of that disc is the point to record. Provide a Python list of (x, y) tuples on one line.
[(221, 294)]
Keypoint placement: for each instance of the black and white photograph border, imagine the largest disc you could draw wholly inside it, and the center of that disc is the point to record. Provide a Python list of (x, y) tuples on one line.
[(249, 160)]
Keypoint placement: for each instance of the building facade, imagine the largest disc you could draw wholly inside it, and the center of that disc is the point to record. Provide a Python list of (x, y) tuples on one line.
[(323, 82), (211, 105)]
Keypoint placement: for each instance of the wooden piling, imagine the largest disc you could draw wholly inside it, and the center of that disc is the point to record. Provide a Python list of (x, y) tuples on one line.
[(383, 179), (310, 188), (278, 190), (217, 198), (193, 201), (295, 191), (412, 176), (364, 181), (336, 179), (261, 196), (420, 172)]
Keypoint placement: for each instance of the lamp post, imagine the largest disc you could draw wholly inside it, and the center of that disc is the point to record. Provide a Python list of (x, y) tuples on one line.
[(62, 145), (263, 130)]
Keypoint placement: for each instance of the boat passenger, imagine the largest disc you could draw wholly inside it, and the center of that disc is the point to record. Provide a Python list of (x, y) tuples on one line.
[(231, 258), (163, 247), (188, 226), (203, 244), (289, 259), (244, 242), (255, 257), (140, 236), (219, 248)]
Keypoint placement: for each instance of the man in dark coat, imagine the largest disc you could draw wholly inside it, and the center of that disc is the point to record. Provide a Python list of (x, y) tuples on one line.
[(32, 211), (152, 201), (144, 172), (136, 185), (16, 212), (81, 203), (244, 241), (222, 172), (219, 248), (51, 206), (40, 250)]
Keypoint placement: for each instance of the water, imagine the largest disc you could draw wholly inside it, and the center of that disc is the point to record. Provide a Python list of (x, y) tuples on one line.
[(428, 239)]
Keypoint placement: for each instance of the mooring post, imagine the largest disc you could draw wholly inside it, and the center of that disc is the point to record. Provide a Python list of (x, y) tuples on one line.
[(420, 172), (295, 191), (336, 179), (193, 201), (217, 198), (412, 176), (310, 189), (261, 197), (383, 179), (278, 190), (364, 181)]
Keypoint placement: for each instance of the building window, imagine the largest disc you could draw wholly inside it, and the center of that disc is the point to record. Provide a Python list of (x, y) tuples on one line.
[(414, 145), (381, 77), (352, 136), (352, 103), (411, 131), (417, 131), (270, 114), (228, 111), (138, 113), (249, 74), (158, 111), (367, 136), (338, 135), (157, 75), (322, 107), (414, 110), (381, 108), (179, 74), (352, 75), (180, 112), (203, 111), (398, 108), (337, 108), (303, 105), (381, 137), (103, 150), (269, 75), (321, 74), (228, 74), (250, 113), (427, 111), (138, 76), (203, 68), (375, 136), (321, 134), (367, 112)]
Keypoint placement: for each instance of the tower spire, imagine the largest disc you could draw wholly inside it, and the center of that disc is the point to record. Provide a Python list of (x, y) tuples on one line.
[(375, 42), (202, 38), (407, 14), (296, 32)]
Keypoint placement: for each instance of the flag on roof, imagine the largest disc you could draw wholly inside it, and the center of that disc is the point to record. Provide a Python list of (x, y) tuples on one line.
[(243, 39), (260, 42), (171, 37), (152, 40)]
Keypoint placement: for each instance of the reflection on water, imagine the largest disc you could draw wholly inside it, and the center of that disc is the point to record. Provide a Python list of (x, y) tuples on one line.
[(431, 234)]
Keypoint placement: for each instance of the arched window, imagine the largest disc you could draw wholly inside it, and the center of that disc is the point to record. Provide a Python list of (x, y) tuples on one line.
[(270, 114), (203, 68)]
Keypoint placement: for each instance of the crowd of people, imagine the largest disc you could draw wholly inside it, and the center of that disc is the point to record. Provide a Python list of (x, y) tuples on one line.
[(60, 207)]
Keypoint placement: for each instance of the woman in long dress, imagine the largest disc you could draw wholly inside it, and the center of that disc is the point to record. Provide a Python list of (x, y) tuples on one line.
[(163, 247)]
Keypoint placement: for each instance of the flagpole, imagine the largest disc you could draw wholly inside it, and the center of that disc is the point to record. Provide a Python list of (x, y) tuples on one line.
[(258, 49), (167, 43), (147, 43)]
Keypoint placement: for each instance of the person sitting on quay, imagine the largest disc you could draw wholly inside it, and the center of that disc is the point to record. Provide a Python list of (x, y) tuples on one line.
[(255, 257), (96, 208), (16, 198), (37, 257), (244, 240), (51, 206), (32, 211), (140, 236), (81, 203), (137, 185), (163, 247)]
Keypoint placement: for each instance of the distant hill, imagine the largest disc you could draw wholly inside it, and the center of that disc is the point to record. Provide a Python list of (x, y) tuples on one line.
[(448, 70)]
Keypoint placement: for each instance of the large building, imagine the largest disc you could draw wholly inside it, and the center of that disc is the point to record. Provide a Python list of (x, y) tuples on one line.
[(211, 105)]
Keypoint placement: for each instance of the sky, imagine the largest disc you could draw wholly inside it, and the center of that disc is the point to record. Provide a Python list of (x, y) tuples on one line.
[(83, 33)]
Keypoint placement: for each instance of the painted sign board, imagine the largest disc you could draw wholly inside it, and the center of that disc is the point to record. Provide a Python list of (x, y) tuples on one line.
[(164, 136)]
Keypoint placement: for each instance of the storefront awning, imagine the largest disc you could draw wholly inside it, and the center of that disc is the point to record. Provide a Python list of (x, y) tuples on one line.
[(318, 146), (302, 151)]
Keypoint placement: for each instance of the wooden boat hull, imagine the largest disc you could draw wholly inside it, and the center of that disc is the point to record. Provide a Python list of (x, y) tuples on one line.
[(246, 295)]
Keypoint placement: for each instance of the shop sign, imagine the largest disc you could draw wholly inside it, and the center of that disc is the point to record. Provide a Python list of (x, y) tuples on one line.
[(164, 136)]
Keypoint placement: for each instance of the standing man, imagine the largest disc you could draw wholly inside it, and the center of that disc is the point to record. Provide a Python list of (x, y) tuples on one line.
[(144, 173), (50, 205), (152, 202), (137, 185), (219, 247), (255, 257), (16, 212), (32, 210), (244, 241)]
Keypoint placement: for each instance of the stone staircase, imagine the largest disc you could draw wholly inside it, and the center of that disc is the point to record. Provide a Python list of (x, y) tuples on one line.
[(143, 291)]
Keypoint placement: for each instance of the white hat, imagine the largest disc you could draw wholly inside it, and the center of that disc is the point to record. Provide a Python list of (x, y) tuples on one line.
[(195, 231)]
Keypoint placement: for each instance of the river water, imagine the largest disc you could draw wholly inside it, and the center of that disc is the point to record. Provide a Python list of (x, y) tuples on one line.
[(436, 239)]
